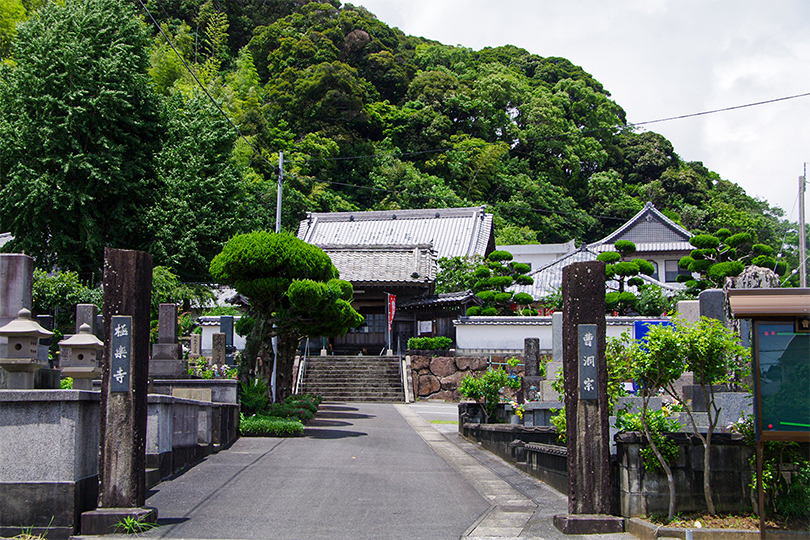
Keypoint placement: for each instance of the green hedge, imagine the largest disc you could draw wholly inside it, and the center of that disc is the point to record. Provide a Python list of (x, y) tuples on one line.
[(269, 426), (429, 343)]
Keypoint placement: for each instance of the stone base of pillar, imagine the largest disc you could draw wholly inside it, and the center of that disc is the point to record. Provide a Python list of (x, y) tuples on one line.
[(109, 520), (588, 523)]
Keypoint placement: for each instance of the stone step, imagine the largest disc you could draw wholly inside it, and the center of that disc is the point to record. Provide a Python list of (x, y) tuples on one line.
[(353, 378)]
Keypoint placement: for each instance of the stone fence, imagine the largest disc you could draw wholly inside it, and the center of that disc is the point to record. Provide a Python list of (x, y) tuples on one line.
[(636, 491), (49, 446)]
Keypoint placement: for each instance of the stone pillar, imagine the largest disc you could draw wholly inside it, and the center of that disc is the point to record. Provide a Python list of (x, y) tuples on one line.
[(167, 354), (586, 401), (16, 282), (122, 456), (218, 348)]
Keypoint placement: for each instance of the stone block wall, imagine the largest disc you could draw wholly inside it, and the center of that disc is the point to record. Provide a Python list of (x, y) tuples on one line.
[(49, 442), (635, 490), (438, 377), (49, 447), (644, 492)]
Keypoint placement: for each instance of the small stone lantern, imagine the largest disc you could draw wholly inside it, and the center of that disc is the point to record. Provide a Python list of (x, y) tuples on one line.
[(80, 358), (21, 360)]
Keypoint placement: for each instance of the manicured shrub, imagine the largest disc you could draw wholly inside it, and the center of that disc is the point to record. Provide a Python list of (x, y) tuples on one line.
[(268, 426), (429, 343)]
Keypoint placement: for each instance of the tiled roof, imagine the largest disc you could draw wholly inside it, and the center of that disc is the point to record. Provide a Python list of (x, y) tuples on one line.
[(548, 278), (443, 299), (451, 231), (649, 226), (414, 264)]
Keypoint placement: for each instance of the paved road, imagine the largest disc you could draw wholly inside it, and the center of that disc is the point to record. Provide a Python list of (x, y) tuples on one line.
[(362, 471), (359, 472)]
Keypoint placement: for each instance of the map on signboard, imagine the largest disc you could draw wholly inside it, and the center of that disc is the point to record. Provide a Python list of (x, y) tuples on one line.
[(783, 379)]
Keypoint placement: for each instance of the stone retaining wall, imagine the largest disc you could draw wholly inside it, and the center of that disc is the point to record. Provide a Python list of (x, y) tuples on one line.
[(438, 377)]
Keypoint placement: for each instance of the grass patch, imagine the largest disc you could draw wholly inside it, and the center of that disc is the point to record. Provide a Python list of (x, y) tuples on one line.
[(455, 422)]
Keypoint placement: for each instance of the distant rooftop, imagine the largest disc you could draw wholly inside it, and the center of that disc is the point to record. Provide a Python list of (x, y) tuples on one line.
[(649, 230), (412, 265)]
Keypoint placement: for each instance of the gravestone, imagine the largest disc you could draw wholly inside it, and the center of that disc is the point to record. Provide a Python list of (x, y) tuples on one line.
[(195, 347), (712, 305), (218, 349), (86, 314), (586, 402), (167, 354), (226, 327), (46, 322), (16, 282), (531, 381), (122, 455)]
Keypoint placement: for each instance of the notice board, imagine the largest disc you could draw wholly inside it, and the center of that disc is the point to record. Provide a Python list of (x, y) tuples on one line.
[(781, 380)]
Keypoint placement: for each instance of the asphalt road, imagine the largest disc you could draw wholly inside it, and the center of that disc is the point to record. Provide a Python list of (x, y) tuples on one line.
[(360, 472)]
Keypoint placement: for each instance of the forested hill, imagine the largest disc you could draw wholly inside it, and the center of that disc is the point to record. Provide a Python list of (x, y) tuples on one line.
[(370, 118)]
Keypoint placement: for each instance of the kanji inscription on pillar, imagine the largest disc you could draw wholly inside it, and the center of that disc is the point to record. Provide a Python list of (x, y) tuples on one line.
[(120, 350), (587, 362)]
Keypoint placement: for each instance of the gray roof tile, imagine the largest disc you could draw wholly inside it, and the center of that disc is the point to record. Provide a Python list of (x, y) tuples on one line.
[(451, 231), (414, 264)]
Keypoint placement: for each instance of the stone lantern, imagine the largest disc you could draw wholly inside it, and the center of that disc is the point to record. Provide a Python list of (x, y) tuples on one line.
[(80, 358), (21, 360)]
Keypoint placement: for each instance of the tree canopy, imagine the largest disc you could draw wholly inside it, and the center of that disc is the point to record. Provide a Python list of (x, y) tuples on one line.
[(294, 291), (368, 118)]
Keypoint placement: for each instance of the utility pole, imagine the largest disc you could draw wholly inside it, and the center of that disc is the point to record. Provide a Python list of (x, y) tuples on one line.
[(274, 340), (802, 240), (278, 194)]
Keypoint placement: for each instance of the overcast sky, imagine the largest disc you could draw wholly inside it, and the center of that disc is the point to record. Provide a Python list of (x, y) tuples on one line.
[(665, 58)]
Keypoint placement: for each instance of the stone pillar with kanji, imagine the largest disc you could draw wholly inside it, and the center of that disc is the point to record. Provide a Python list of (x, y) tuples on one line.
[(586, 402), (124, 385)]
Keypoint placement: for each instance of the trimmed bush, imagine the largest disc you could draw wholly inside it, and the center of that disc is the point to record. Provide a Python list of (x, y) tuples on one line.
[(269, 426), (429, 343)]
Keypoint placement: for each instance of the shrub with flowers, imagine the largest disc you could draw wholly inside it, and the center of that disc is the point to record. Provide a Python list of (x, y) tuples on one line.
[(518, 408)]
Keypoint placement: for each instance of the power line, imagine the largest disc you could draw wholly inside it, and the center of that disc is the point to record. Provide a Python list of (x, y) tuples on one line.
[(692, 115), (204, 89)]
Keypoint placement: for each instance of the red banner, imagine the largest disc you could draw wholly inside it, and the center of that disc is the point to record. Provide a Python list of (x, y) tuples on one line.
[(392, 307)]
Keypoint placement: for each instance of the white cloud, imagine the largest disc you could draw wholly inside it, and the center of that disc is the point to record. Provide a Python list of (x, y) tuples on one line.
[(663, 58)]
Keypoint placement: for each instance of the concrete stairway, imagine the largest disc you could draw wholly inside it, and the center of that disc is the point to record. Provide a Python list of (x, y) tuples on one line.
[(354, 378)]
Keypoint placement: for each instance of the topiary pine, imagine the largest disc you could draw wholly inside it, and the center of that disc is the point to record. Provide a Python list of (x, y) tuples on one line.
[(723, 255), (624, 272), (497, 273)]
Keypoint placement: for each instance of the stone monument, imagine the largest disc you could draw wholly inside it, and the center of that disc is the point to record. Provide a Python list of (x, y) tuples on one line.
[(218, 347), (586, 402), (122, 455)]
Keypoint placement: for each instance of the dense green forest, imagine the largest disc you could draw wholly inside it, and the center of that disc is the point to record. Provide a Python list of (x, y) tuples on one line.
[(107, 137)]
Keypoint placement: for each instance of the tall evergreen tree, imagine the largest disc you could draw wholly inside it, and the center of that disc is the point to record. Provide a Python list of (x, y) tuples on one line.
[(79, 126)]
